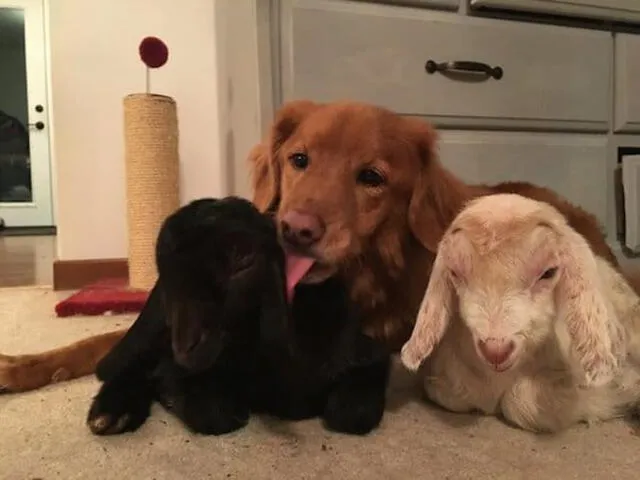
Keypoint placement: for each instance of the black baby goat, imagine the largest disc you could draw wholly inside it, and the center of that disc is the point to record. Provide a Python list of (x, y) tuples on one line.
[(217, 339)]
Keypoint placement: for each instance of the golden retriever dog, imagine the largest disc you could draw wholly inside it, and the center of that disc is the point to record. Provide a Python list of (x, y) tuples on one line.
[(355, 189)]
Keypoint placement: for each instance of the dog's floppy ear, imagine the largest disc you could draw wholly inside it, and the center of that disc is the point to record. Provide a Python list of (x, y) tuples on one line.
[(435, 310), (263, 158), (265, 177), (582, 304), (437, 195)]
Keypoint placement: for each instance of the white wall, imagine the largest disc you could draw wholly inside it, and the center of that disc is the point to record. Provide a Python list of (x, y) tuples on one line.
[(94, 64)]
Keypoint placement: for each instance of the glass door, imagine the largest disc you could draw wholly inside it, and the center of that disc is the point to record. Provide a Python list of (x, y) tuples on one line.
[(25, 165)]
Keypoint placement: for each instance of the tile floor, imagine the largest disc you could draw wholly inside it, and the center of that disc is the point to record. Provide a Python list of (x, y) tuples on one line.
[(26, 261)]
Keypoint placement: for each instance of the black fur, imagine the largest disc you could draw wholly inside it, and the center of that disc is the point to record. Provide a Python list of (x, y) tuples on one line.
[(216, 340)]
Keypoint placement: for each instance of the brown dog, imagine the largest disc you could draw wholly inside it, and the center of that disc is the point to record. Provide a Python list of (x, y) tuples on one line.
[(355, 188)]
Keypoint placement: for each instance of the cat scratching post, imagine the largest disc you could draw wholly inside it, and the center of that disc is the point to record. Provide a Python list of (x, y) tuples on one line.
[(152, 178)]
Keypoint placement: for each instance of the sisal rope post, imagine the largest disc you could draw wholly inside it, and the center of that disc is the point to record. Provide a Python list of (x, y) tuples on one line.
[(152, 178)]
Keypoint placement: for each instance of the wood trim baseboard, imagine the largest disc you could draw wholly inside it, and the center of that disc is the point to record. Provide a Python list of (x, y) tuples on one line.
[(75, 274)]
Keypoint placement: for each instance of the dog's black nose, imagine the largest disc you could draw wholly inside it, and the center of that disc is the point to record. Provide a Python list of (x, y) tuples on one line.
[(302, 229)]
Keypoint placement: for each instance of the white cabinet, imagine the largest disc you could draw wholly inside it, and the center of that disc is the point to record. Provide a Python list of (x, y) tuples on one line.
[(552, 77), (617, 10), (627, 79), (573, 165)]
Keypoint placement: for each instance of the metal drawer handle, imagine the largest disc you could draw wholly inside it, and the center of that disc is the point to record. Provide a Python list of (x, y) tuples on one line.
[(464, 66)]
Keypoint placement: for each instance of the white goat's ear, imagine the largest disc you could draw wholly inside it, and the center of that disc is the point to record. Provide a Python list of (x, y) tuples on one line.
[(586, 311), (433, 316)]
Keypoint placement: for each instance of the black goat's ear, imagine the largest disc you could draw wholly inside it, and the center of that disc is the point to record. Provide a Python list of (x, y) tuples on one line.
[(275, 328), (142, 344)]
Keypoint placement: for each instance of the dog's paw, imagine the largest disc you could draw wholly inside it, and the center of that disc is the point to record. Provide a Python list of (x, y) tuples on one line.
[(22, 373), (353, 412), (7, 382), (115, 411), (13, 376)]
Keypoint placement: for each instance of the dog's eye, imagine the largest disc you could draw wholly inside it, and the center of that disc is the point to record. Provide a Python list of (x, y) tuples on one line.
[(549, 273), (299, 161), (370, 178)]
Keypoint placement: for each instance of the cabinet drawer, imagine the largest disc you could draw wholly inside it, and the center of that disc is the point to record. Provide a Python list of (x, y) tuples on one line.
[(620, 10), (627, 106), (377, 54), (575, 166)]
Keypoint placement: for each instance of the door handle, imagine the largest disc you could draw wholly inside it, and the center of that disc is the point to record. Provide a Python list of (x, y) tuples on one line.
[(466, 67), (37, 125)]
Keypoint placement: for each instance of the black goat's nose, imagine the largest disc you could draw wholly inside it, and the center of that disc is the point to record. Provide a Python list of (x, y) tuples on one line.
[(302, 229)]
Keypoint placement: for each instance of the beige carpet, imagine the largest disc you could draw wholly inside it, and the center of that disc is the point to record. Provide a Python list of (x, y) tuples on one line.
[(43, 435)]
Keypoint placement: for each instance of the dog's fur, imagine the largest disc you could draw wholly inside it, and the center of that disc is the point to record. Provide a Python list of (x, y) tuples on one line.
[(216, 340), (382, 238), (521, 319)]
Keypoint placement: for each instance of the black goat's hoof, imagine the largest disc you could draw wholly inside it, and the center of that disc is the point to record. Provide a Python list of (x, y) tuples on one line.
[(220, 425), (353, 412), (211, 416), (107, 424), (113, 412)]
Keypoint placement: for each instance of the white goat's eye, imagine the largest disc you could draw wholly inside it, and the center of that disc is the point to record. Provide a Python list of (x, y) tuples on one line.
[(549, 273)]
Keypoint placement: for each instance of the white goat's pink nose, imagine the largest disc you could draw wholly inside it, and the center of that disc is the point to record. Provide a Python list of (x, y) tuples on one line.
[(495, 350)]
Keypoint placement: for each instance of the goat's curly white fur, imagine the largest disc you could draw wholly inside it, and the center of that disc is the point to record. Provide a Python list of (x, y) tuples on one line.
[(521, 319)]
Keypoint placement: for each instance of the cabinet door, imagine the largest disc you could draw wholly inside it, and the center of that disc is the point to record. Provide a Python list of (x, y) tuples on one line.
[(627, 106), (575, 166), (621, 10)]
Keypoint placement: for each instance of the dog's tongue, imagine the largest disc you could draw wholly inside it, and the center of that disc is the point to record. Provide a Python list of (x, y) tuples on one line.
[(297, 267)]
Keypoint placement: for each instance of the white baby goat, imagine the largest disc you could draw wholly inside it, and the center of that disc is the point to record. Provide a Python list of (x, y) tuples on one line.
[(521, 319)]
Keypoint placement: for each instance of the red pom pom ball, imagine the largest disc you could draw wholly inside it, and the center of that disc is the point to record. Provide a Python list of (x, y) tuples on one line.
[(153, 52)]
